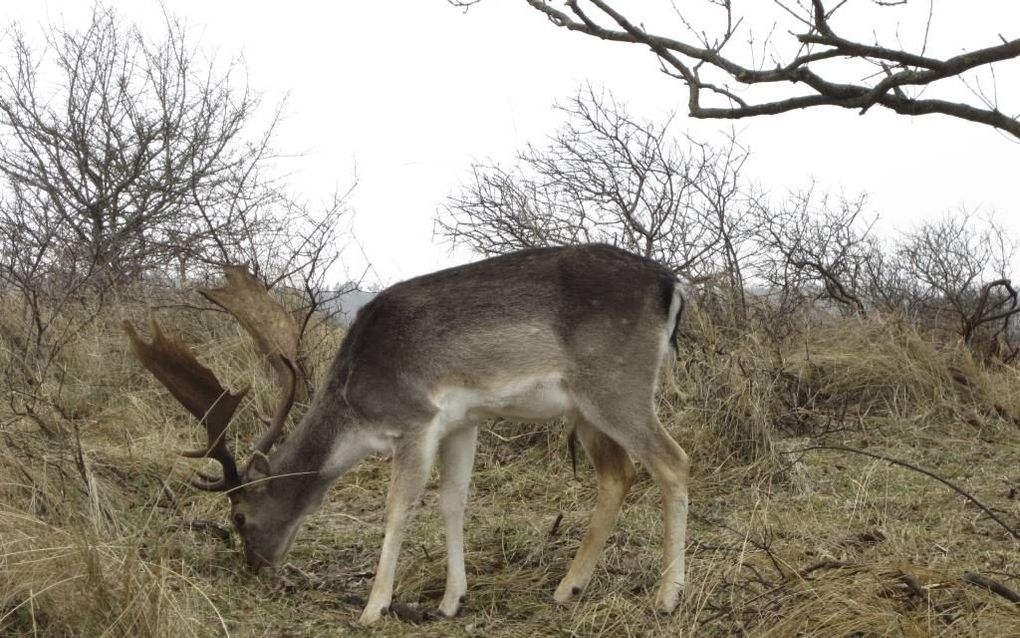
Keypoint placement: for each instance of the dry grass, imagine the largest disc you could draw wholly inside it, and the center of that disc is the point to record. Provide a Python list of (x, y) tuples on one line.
[(99, 537)]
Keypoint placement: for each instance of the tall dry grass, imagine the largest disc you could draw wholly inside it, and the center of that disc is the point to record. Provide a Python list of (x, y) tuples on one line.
[(100, 537)]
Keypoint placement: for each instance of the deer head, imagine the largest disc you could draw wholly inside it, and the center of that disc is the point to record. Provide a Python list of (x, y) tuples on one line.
[(266, 528)]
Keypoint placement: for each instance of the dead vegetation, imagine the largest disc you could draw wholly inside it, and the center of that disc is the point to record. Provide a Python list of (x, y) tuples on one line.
[(99, 534)]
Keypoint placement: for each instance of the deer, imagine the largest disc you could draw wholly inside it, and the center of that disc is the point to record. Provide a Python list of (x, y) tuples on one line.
[(578, 333)]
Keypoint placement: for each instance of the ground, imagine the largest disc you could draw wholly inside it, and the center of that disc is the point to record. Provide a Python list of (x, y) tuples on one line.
[(99, 535)]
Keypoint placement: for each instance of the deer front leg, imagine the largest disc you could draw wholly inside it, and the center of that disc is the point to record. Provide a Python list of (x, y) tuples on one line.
[(456, 457), (411, 464)]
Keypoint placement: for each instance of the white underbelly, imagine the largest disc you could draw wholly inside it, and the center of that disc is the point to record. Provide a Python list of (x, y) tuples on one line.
[(532, 398)]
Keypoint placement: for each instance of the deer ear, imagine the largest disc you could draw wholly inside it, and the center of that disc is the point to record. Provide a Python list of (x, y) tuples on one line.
[(259, 466)]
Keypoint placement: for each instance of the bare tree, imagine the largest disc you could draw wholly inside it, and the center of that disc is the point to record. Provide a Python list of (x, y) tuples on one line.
[(798, 56), (119, 155), (961, 266), (136, 152), (606, 176), (125, 158)]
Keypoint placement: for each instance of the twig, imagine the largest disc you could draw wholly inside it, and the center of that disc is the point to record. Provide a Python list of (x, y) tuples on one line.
[(214, 529), (556, 525), (406, 613), (825, 564)]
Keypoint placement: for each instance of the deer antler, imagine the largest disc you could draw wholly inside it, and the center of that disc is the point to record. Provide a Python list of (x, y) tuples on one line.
[(274, 331), (198, 390)]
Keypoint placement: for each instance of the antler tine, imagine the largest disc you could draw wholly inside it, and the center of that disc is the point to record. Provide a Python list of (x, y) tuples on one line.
[(199, 391), (274, 331), (279, 418)]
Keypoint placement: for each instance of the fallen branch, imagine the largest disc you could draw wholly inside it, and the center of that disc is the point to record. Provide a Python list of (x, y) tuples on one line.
[(993, 586), (1014, 532)]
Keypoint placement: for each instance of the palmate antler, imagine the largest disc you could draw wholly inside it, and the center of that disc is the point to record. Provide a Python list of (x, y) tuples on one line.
[(197, 389), (274, 331), (195, 386)]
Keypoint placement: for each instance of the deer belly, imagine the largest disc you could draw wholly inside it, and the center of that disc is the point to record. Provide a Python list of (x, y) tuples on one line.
[(536, 398)]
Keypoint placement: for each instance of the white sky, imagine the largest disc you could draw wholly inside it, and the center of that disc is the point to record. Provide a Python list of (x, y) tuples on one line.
[(410, 92)]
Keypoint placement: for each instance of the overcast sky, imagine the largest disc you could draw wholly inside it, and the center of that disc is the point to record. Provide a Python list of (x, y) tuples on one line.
[(407, 93)]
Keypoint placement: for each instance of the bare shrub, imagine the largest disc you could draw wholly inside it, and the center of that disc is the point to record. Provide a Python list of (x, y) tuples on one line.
[(960, 268), (816, 247), (605, 176)]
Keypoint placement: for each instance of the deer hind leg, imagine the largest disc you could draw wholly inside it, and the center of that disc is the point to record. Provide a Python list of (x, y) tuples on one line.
[(635, 426), (412, 461), (668, 464), (615, 474), (456, 457)]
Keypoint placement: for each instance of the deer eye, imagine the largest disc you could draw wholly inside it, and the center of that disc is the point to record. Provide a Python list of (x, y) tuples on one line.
[(239, 520)]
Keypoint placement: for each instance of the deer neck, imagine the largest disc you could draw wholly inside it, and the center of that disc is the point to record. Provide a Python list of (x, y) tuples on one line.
[(325, 445)]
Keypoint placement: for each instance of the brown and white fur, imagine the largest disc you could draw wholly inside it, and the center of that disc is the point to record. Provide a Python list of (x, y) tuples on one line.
[(575, 332)]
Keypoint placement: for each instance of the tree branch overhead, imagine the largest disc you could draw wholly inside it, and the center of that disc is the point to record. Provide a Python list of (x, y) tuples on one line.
[(709, 69)]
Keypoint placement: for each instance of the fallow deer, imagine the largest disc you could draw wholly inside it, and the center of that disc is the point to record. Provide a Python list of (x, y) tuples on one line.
[(574, 332)]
